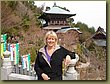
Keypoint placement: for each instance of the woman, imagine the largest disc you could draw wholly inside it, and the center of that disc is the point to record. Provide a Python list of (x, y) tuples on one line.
[(48, 64)]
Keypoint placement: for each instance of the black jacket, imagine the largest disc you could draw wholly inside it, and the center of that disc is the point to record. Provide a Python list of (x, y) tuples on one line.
[(54, 68)]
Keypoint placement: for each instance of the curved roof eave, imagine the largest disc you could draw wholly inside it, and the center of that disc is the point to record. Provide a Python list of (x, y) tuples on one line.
[(61, 13), (57, 10), (67, 29)]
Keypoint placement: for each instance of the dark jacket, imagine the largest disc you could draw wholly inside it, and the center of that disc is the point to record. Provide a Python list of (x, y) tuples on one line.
[(54, 68)]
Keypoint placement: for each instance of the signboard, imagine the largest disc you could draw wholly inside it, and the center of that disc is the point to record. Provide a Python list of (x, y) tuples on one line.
[(26, 61), (14, 49), (3, 44)]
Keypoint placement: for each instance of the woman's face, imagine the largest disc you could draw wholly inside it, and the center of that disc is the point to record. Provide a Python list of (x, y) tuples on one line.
[(51, 41)]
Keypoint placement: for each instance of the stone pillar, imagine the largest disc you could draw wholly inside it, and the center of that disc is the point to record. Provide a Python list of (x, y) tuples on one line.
[(71, 73), (7, 67)]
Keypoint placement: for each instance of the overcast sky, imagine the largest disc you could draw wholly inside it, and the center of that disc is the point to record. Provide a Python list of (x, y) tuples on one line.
[(92, 13)]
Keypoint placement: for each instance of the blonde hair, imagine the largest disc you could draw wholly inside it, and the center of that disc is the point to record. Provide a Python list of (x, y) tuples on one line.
[(52, 34)]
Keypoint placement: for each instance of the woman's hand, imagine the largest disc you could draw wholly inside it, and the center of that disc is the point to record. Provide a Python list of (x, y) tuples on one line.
[(67, 60), (45, 76)]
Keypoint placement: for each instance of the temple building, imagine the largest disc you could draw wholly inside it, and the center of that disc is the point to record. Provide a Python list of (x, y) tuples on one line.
[(100, 37), (55, 18), (58, 19)]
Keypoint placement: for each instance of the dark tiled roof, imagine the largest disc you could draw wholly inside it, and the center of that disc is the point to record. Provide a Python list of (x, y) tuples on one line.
[(99, 34)]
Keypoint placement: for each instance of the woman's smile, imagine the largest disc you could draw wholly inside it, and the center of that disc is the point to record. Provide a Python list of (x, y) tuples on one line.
[(50, 41)]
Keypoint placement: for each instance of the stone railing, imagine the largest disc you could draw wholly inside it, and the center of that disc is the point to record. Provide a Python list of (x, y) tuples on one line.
[(14, 72)]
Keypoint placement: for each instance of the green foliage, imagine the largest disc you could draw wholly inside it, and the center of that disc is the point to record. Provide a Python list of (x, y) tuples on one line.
[(26, 22), (38, 23), (34, 49), (100, 52), (31, 5), (30, 42), (33, 54), (12, 4), (70, 20), (39, 10), (84, 36), (82, 26), (31, 2), (80, 52), (39, 43), (11, 31), (91, 46), (86, 31), (47, 8), (92, 30)]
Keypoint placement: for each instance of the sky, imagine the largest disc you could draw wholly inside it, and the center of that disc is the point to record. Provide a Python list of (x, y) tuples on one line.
[(92, 13)]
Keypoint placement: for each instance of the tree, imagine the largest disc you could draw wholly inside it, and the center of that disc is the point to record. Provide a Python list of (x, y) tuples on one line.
[(92, 30), (47, 8), (70, 21), (86, 31)]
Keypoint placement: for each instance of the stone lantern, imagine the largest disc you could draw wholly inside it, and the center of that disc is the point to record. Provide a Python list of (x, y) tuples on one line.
[(71, 73), (6, 60), (7, 67)]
